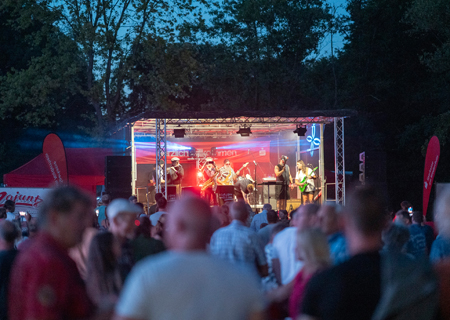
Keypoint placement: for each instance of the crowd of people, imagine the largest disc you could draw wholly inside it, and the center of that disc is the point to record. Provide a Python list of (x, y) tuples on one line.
[(188, 260)]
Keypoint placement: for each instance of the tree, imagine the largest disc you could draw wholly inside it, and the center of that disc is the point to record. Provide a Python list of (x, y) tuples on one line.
[(431, 17), (40, 70), (110, 35), (254, 51)]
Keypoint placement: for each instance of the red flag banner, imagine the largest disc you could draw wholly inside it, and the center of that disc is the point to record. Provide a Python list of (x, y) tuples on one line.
[(431, 162), (55, 157)]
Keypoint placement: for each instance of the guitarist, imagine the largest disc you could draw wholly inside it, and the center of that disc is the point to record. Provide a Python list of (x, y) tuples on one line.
[(304, 172), (227, 176)]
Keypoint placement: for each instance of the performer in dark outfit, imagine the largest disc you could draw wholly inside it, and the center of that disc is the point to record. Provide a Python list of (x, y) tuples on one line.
[(208, 171), (283, 175), (175, 174), (243, 187)]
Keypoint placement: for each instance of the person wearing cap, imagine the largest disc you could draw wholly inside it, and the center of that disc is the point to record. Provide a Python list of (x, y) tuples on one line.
[(122, 215), (208, 171), (284, 179), (175, 174)]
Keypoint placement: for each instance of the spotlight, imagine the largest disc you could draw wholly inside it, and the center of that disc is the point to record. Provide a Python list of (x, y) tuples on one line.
[(178, 133), (244, 132), (300, 131)]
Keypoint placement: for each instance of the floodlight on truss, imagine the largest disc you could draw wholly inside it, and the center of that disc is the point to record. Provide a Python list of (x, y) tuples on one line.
[(300, 131), (179, 133), (244, 131)]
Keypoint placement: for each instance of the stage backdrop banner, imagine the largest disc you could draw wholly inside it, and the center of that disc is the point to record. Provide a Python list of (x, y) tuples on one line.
[(55, 157), (236, 151), (26, 199), (431, 162)]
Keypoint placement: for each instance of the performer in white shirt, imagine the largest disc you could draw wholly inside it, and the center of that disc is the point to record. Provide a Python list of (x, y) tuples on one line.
[(308, 184)]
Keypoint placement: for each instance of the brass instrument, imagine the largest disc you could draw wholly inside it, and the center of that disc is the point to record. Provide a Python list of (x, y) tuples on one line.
[(226, 181), (210, 181)]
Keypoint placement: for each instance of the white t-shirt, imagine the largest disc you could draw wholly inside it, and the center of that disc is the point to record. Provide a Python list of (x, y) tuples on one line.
[(155, 217), (10, 216), (300, 176), (285, 243), (189, 286)]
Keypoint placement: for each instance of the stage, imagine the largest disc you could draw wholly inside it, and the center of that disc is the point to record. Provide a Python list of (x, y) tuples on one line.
[(257, 139)]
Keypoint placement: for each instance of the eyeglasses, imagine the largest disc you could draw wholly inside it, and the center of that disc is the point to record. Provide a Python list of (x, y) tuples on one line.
[(227, 164)]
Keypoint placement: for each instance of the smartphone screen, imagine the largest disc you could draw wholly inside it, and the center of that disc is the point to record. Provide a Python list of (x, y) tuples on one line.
[(22, 213)]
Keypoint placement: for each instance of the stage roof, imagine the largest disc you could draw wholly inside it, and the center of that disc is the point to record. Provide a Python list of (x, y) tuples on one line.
[(223, 124)]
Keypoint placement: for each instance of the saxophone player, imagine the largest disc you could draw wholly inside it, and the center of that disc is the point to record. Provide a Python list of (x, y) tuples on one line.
[(209, 172)]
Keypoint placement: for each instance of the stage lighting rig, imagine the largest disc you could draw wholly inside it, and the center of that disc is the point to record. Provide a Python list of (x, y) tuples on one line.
[(244, 131), (179, 133), (300, 131)]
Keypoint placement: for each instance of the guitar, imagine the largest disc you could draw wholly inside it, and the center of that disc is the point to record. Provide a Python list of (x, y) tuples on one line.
[(303, 187), (228, 180)]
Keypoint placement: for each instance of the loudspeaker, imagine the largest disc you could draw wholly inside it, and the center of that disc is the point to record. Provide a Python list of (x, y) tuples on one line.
[(118, 176), (293, 204), (272, 200), (225, 193), (191, 190), (171, 193)]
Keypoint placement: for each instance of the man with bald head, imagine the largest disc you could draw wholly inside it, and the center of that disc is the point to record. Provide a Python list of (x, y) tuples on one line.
[(239, 244), (329, 217), (185, 282)]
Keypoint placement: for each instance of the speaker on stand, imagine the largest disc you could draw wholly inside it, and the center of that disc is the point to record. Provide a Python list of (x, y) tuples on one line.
[(118, 176)]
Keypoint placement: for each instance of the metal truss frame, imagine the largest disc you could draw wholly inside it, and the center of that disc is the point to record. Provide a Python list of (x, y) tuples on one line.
[(339, 151), (238, 120), (161, 154), (339, 160)]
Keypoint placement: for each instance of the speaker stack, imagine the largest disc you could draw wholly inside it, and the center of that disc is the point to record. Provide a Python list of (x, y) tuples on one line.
[(118, 176)]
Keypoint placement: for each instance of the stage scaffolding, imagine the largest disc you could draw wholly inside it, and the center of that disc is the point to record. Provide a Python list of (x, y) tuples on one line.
[(161, 125)]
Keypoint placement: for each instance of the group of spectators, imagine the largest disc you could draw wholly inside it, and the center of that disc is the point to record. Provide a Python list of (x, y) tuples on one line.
[(224, 262)]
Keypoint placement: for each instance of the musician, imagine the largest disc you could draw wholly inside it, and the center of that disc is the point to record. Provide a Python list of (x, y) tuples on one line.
[(283, 174), (160, 173), (227, 176), (208, 171), (175, 174), (243, 187), (304, 172)]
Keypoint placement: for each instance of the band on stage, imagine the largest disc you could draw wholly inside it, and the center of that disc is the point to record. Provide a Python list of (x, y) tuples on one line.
[(241, 184)]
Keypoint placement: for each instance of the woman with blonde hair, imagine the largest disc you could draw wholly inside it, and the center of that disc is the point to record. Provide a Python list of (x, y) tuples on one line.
[(313, 250), (306, 174)]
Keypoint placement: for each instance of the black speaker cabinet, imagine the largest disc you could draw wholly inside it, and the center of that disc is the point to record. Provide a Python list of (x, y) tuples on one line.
[(192, 190), (225, 193), (118, 176)]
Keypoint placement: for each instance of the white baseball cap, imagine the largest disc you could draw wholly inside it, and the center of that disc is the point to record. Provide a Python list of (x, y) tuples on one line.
[(121, 206)]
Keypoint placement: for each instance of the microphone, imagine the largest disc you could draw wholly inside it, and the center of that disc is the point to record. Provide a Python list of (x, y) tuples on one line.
[(255, 162)]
